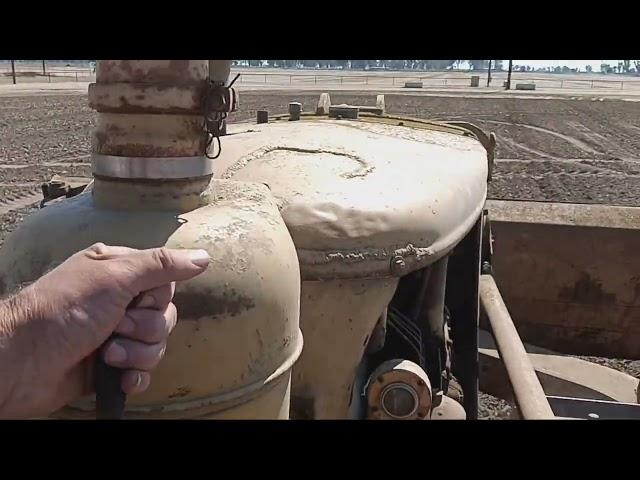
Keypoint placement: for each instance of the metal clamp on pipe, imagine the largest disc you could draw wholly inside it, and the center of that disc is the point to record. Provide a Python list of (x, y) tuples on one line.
[(529, 395), (160, 168)]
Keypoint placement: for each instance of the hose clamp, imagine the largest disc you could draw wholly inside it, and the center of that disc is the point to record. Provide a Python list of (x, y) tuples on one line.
[(159, 168)]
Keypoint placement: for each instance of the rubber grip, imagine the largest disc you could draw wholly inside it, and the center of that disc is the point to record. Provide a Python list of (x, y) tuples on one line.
[(110, 399)]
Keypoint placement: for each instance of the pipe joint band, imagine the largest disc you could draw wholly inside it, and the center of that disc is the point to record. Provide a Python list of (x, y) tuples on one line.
[(158, 168)]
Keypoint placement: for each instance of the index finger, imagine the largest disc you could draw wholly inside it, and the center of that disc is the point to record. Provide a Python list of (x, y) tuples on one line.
[(159, 266)]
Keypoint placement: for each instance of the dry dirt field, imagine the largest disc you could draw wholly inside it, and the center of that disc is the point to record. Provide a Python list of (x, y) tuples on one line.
[(548, 149)]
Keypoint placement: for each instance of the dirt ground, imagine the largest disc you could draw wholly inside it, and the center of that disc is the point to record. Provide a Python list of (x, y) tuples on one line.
[(555, 150)]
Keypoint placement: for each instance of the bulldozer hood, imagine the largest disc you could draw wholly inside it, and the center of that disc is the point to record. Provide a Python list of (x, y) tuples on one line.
[(363, 198)]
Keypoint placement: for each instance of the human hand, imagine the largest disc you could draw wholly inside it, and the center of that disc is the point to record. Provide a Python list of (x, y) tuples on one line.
[(51, 331)]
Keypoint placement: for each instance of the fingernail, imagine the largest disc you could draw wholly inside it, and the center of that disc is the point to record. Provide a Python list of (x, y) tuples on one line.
[(199, 258), (138, 380), (146, 302), (115, 354)]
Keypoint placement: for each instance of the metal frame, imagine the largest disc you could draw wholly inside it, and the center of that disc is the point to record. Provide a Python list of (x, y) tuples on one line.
[(584, 408), (528, 393), (461, 298)]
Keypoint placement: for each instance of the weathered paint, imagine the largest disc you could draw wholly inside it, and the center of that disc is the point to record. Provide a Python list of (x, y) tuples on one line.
[(238, 335), (238, 332), (569, 274), (356, 195)]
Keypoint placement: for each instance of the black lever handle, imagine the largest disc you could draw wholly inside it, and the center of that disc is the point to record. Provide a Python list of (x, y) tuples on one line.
[(110, 399)]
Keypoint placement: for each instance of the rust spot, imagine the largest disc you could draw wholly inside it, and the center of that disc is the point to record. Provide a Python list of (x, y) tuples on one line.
[(586, 290), (100, 139), (194, 305), (179, 66), (180, 392), (123, 101), (144, 150), (126, 107)]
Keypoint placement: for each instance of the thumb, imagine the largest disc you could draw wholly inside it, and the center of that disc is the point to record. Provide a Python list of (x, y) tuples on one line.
[(159, 266)]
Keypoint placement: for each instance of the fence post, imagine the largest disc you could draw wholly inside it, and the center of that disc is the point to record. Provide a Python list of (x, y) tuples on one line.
[(49, 78), (265, 78), (561, 83), (76, 76), (591, 84), (393, 81), (290, 79), (621, 85), (315, 79), (366, 80)]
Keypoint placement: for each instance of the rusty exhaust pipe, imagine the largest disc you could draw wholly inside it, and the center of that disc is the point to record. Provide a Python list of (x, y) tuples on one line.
[(529, 395)]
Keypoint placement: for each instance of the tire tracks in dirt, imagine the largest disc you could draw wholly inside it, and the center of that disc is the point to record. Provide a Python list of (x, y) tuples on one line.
[(519, 146), (19, 166), (13, 202), (572, 167), (579, 144)]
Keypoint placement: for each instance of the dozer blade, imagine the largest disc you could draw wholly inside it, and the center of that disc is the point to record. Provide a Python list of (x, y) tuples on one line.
[(570, 275), (559, 374)]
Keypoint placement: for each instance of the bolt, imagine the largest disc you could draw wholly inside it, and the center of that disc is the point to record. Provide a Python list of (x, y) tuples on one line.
[(593, 416), (397, 265)]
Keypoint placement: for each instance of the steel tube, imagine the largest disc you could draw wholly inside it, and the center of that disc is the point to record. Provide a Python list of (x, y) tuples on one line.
[(529, 395), (219, 71)]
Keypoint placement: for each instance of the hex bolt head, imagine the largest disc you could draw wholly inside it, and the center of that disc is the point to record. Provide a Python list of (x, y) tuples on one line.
[(397, 265)]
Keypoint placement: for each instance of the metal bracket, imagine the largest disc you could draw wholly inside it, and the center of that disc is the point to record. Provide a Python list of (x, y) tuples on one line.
[(62, 187), (219, 101), (584, 408), (487, 141)]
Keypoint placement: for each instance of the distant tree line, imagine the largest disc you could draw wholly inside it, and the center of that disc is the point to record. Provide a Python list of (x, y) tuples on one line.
[(372, 64), (623, 67)]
